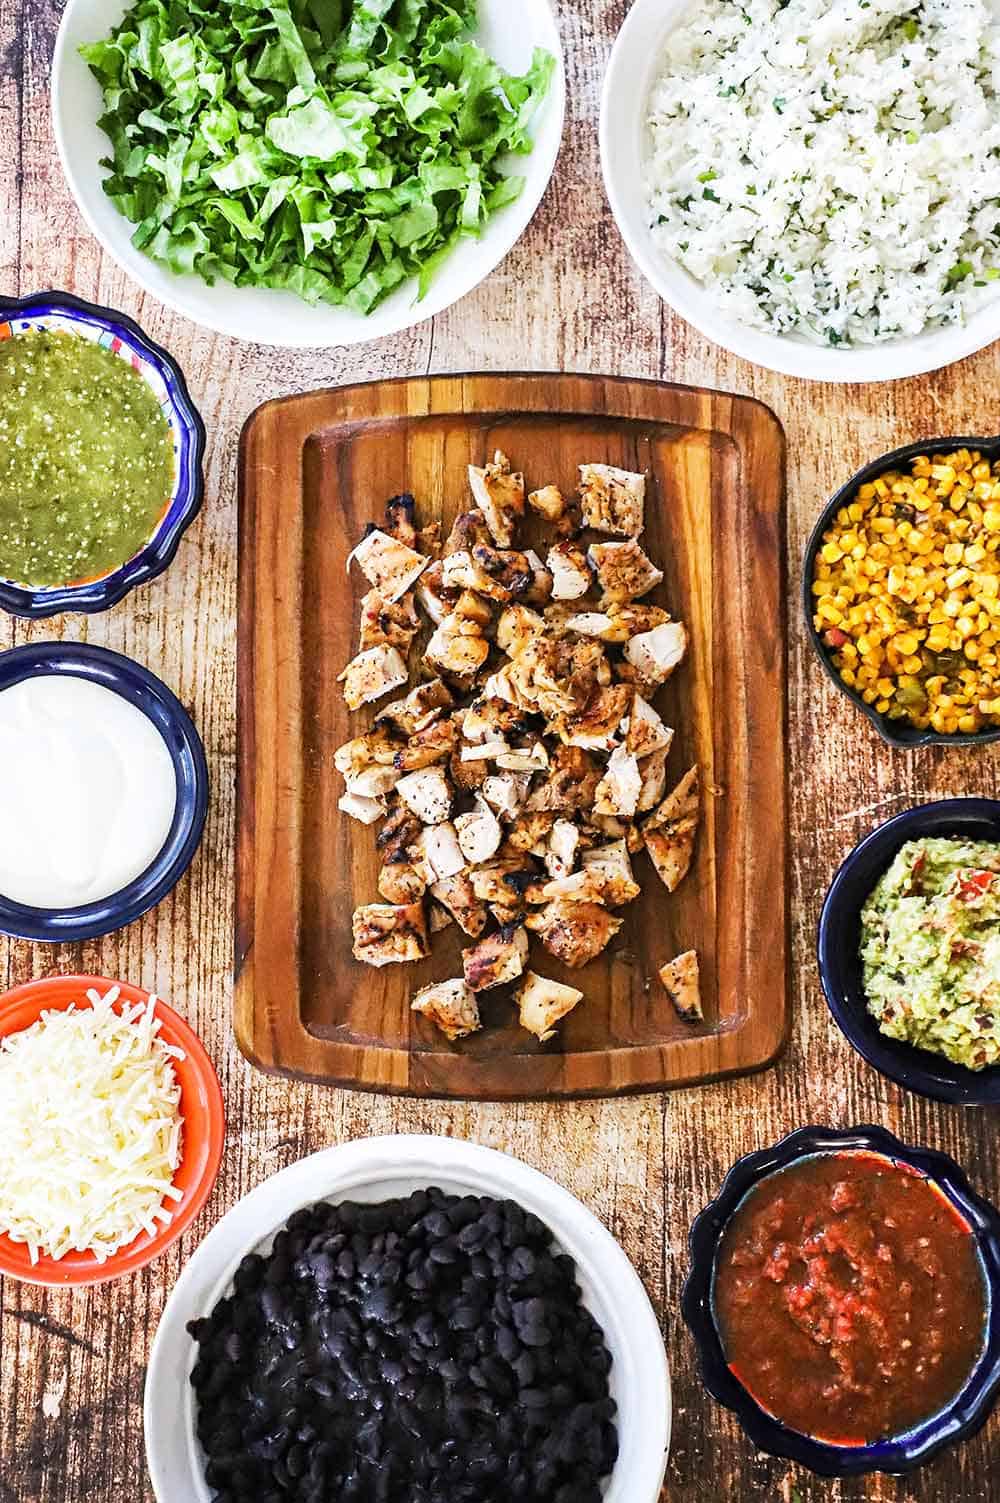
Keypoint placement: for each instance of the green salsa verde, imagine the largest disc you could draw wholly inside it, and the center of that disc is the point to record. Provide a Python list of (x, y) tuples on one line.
[(930, 948), (86, 459)]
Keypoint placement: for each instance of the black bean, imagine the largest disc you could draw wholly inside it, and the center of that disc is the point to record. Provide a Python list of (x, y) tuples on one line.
[(429, 1350)]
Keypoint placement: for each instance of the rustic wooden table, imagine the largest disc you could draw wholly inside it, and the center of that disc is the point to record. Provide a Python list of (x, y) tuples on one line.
[(568, 298)]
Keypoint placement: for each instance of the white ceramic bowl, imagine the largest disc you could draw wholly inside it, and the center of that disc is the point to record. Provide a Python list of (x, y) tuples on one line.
[(634, 63), (509, 30), (377, 1169)]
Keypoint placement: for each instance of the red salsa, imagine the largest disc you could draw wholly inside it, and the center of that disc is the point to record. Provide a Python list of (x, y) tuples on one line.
[(849, 1297)]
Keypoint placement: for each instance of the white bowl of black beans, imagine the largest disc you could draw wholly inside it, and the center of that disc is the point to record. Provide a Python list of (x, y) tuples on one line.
[(408, 1320)]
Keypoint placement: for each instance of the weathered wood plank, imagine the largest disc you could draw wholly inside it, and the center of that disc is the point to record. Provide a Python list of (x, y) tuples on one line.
[(567, 298)]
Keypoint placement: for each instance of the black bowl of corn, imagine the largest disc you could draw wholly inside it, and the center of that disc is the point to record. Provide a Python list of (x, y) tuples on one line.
[(901, 588)]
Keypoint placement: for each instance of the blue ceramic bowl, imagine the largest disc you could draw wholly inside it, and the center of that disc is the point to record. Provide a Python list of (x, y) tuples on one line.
[(897, 733), (144, 690), (840, 939), (59, 310), (958, 1420)]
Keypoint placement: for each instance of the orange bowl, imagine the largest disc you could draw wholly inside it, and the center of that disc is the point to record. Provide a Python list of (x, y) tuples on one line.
[(201, 1145)]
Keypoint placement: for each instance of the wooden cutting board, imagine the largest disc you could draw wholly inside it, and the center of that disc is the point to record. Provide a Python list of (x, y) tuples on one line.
[(314, 470)]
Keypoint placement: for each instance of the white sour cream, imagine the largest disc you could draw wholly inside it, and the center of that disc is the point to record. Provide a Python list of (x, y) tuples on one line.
[(87, 792)]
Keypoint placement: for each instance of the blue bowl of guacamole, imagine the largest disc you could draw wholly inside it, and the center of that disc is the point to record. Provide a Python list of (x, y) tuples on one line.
[(101, 453), (908, 944)]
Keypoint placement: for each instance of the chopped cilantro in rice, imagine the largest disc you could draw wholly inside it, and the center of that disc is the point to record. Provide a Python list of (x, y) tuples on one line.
[(832, 169)]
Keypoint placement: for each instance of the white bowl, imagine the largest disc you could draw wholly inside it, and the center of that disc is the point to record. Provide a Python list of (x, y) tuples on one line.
[(377, 1169), (509, 30), (634, 63)]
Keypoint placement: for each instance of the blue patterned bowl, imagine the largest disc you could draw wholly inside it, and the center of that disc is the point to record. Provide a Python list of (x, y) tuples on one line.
[(60, 310), (962, 1417), (840, 940), (150, 695)]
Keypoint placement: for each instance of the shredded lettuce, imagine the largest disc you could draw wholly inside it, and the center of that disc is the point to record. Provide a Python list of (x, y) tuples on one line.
[(336, 148)]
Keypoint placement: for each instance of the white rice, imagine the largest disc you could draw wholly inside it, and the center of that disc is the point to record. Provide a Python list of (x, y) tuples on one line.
[(832, 168)]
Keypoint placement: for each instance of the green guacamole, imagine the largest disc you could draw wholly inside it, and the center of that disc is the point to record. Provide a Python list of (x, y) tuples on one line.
[(86, 459), (930, 946)]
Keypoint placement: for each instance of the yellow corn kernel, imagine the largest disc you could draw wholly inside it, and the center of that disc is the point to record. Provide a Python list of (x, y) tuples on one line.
[(832, 553), (968, 722)]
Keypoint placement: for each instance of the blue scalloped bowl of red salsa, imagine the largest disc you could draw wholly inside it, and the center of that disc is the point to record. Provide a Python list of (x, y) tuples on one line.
[(844, 1295)]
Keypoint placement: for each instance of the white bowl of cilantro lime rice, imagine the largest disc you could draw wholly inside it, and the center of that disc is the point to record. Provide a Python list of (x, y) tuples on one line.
[(813, 186), (308, 173)]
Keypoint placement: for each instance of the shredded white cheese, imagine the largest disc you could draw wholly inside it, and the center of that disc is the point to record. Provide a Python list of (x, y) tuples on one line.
[(90, 1128)]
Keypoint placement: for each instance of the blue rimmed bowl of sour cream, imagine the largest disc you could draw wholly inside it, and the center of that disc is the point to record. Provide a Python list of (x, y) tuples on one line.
[(103, 791)]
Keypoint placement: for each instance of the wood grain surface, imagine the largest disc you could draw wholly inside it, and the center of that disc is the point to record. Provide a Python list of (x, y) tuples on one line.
[(313, 473), (71, 1365)]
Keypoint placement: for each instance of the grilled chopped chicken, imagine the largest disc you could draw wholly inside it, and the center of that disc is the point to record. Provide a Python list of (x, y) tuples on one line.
[(571, 576), (469, 775), (373, 781), (574, 933), (612, 500), (354, 756), (571, 783), (655, 654), (516, 629), (456, 895), (611, 865), (385, 624), (438, 918), (420, 708), (598, 724), (372, 674), (504, 573), (619, 789), (488, 718), (530, 756), (433, 595), (472, 607), (506, 792), (468, 529), (499, 494), (557, 675), (401, 882), (458, 648), (624, 572), (505, 881), (541, 580), (398, 833), (617, 623), (653, 771), (435, 743), (670, 830), (386, 934), (439, 848), (543, 1003), (499, 575), (682, 982), (549, 502), (564, 841), (400, 512), (540, 722), (530, 832), (605, 877), (391, 566), (365, 810), (496, 959), (427, 794), (479, 833), (499, 686), (646, 732), (451, 1006)]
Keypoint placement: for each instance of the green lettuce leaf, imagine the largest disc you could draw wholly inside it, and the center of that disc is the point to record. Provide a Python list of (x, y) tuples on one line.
[(334, 148)]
